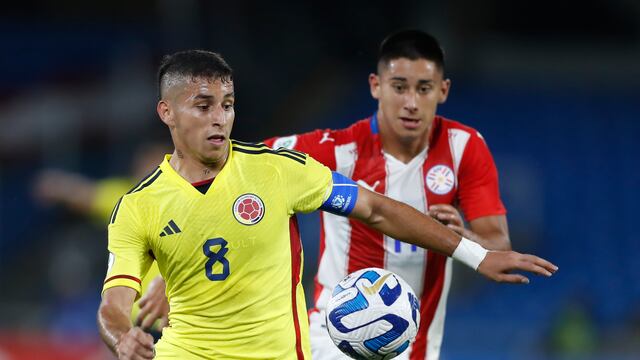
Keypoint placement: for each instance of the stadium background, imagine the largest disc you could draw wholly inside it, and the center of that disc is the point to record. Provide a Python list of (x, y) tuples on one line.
[(553, 87)]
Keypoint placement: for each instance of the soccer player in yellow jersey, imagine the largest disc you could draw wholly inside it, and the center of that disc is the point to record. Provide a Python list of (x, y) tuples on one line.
[(218, 217)]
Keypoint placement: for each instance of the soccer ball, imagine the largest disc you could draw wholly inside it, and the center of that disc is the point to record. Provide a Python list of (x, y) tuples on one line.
[(373, 314)]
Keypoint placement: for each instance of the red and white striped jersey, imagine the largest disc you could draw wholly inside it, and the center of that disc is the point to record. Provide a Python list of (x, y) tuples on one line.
[(456, 168)]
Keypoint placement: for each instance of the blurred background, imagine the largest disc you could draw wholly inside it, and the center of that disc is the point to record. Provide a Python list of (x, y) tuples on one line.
[(553, 86)]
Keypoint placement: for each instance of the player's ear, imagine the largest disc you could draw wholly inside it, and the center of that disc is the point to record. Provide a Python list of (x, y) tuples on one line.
[(444, 91), (164, 111), (374, 85)]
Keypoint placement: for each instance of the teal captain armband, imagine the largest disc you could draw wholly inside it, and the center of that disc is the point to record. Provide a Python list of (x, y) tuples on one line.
[(343, 197)]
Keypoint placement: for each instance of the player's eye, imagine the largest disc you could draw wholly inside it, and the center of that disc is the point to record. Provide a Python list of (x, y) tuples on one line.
[(203, 107), (398, 87), (227, 106), (424, 89)]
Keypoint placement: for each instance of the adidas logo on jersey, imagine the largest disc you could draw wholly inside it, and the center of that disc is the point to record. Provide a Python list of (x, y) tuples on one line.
[(170, 229)]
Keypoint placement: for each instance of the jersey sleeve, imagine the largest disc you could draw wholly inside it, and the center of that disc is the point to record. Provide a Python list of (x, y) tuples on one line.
[(129, 258), (319, 144), (307, 185), (478, 190)]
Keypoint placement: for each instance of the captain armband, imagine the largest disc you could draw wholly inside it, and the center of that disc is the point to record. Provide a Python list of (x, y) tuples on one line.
[(344, 194)]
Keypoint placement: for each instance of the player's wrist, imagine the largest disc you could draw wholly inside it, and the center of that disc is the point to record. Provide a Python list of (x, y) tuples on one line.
[(469, 253)]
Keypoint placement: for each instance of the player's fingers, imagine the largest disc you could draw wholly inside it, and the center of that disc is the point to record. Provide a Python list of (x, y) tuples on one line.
[(459, 229), (449, 216), (513, 279), (441, 207), (143, 314), (144, 353), (526, 265), (540, 262), (148, 321), (164, 322), (543, 263), (143, 339), (143, 300)]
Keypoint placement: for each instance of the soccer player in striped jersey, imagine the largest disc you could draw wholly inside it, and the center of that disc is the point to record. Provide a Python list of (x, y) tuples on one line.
[(407, 152), (218, 217)]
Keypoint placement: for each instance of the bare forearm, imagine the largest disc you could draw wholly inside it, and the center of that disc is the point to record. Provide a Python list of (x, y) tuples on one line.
[(405, 223), (492, 232), (112, 324)]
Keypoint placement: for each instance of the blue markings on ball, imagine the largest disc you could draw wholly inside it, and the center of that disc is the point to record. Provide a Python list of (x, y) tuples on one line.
[(370, 275), (349, 350), (337, 290), (402, 347), (399, 325), (415, 307), (390, 295), (348, 307)]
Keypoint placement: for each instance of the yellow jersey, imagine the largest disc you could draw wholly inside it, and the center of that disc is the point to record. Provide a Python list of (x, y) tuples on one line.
[(231, 257)]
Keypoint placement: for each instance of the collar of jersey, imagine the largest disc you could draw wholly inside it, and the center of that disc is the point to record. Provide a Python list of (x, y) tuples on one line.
[(177, 179)]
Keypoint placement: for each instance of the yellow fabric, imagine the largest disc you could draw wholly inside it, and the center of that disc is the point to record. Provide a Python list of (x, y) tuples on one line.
[(248, 314), (107, 193)]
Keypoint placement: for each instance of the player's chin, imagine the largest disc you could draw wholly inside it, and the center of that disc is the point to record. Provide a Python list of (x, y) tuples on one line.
[(409, 135), (213, 154)]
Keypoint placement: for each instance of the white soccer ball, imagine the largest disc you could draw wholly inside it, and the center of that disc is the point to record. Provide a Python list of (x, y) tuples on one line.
[(373, 314)]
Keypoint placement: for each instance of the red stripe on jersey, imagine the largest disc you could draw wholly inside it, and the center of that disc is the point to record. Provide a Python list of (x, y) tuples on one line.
[(203, 182), (366, 248), (296, 256), (433, 284), (368, 244), (318, 287), (123, 277)]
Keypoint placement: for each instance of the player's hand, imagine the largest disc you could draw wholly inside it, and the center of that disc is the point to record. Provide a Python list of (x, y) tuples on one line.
[(154, 305), (446, 214), (450, 216), (499, 265), (135, 345)]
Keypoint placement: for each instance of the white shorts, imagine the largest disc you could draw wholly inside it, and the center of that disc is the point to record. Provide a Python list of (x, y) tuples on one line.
[(322, 347)]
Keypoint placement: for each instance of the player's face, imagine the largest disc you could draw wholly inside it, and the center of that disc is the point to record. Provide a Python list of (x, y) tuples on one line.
[(408, 94), (200, 117)]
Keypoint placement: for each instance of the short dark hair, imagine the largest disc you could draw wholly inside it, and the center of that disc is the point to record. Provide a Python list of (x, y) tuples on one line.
[(192, 64), (413, 45)]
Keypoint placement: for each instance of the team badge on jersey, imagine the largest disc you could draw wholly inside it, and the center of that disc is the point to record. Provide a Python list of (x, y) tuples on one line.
[(288, 142), (248, 209), (440, 179)]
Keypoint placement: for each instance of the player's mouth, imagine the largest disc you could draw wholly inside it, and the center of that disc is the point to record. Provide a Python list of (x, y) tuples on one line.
[(410, 123), (217, 140)]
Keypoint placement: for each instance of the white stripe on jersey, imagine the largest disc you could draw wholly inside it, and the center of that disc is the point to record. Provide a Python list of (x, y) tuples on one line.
[(405, 183), (457, 142)]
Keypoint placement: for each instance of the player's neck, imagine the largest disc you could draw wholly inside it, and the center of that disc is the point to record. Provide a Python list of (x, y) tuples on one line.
[(404, 150), (192, 169)]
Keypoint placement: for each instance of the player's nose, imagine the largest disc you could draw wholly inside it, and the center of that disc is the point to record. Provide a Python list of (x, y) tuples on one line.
[(218, 116), (411, 101)]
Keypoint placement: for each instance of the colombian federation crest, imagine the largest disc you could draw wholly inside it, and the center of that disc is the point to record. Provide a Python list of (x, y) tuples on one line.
[(440, 179), (248, 209)]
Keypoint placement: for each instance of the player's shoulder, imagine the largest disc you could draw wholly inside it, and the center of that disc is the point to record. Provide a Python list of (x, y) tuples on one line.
[(260, 153), (450, 126), (363, 128), (139, 194), (447, 123)]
